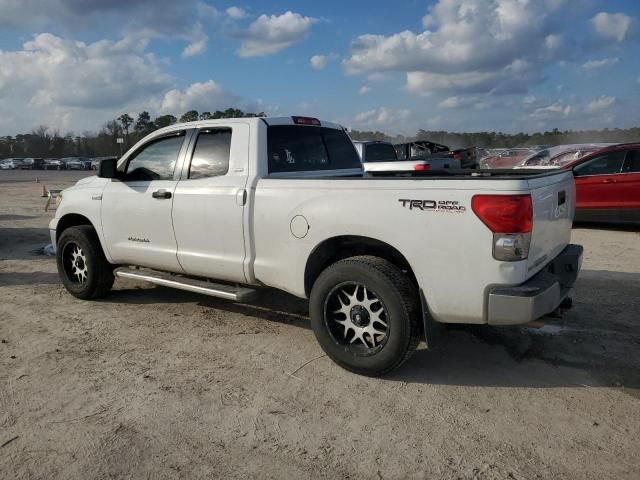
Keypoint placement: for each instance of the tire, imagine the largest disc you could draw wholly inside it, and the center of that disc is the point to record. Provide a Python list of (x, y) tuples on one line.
[(357, 296), (82, 266)]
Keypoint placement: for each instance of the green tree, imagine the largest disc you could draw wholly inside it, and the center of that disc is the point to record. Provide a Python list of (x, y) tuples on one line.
[(190, 116), (164, 121), (126, 121), (144, 125)]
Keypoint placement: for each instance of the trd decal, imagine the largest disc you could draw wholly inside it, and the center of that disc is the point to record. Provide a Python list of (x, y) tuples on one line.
[(448, 206)]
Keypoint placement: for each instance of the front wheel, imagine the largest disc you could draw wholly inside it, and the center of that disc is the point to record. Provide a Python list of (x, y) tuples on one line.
[(365, 315), (82, 266)]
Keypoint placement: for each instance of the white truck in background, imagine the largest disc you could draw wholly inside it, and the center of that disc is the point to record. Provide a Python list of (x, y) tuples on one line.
[(380, 157), (225, 207)]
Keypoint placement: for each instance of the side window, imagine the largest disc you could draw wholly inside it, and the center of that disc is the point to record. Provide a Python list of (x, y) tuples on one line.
[(156, 161), (632, 163), (606, 164), (211, 154)]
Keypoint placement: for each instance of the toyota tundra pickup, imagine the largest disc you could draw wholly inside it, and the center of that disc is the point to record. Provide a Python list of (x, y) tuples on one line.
[(225, 207)]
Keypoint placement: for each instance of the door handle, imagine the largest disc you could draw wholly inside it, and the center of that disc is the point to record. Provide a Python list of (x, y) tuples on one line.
[(241, 197), (161, 194)]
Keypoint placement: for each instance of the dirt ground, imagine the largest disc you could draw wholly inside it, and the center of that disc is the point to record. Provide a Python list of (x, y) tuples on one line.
[(156, 383)]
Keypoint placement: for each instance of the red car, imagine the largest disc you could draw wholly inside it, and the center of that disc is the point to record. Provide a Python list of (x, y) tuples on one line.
[(608, 185)]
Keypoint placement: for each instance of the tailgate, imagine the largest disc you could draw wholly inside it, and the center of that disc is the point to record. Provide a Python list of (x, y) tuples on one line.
[(554, 201)]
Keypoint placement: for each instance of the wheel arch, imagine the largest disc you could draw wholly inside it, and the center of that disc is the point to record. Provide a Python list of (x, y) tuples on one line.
[(71, 220), (336, 248)]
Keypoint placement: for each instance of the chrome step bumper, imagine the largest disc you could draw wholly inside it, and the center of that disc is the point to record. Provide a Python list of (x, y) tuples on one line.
[(229, 292)]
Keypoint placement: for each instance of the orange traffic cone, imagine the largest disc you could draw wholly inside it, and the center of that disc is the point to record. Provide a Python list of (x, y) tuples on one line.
[(45, 192)]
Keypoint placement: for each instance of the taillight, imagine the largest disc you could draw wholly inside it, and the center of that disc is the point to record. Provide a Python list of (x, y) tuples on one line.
[(504, 213), (421, 167), (510, 218)]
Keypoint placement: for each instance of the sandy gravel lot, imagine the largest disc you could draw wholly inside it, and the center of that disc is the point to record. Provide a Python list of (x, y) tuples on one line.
[(156, 383)]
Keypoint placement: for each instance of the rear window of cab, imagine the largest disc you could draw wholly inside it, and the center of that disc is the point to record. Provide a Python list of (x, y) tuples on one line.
[(297, 148)]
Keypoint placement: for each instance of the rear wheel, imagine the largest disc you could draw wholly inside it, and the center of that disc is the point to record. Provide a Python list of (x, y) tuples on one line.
[(365, 315), (82, 266)]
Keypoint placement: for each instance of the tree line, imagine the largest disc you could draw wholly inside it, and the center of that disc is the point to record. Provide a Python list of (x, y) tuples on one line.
[(43, 142)]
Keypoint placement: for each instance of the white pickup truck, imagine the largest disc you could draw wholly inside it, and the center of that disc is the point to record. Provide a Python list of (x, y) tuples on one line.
[(224, 207), (380, 157)]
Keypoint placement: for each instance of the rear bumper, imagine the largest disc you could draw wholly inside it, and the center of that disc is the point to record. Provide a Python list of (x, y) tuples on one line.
[(539, 295)]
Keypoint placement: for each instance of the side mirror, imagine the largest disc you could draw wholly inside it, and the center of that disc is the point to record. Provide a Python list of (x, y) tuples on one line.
[(108, 168)]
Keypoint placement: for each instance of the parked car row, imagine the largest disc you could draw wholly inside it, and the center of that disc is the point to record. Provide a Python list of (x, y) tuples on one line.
[(67, 163), (607, 177)]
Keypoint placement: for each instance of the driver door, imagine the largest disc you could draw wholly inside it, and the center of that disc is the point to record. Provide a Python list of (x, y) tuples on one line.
[(136, 209)]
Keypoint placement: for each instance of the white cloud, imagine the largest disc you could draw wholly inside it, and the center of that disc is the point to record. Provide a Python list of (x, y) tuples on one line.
[(236, 13), (381, 116), (182, 21), (201, 96), (318, 62), (514, 78), (597, 64), (612, 26), (451, 102), (482, 105), (529, 100), (553, 41), (602, 103), (467, 45), (364, 90), (52, 77), (556, 109), (269, 34), (67, 84), (457, 102), (377, 77), (198, 43)]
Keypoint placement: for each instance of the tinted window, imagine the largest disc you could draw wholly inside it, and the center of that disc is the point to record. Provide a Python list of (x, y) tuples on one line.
[(606, 164), (632, 163), (211, 154), (380, 152), (157, 160), (301, 148)]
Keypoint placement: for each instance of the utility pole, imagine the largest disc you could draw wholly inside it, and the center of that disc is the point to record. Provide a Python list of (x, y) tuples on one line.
[(120, 141)]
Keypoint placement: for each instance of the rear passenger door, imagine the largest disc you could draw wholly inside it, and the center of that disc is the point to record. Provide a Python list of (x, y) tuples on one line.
[(209, 203)]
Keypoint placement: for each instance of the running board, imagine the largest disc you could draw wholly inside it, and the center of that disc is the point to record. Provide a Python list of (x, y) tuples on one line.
[(229, 292)]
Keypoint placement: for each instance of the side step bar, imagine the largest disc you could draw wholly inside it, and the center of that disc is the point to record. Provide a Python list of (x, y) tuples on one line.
[(229, 292)]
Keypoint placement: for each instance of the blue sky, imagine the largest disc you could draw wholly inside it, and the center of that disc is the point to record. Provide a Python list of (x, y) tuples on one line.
[(459, 65)]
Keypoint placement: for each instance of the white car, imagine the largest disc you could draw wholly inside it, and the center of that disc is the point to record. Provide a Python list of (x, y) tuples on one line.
[(10, 164), (556, 157), (225, 207)]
